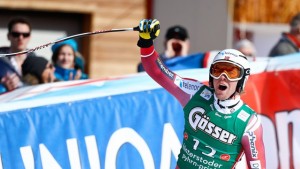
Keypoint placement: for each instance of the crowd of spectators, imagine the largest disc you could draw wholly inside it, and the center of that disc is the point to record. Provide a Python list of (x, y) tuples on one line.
[(29, 69)]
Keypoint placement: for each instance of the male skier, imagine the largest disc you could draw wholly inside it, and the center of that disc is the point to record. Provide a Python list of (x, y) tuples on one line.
[(219, 127)]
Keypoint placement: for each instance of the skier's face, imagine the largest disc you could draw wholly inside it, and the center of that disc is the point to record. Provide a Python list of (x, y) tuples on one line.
[(223, 87)]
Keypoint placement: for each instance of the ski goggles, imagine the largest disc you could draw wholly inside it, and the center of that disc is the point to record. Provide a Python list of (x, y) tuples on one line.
[(232, 71)]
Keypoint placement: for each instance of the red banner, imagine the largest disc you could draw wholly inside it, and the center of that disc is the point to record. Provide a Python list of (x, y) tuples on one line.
[(275, 96)]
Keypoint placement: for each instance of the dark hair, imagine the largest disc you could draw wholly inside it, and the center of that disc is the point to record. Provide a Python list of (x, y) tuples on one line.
[(56, 52), (177, 32), (34, 65), (295, 20), (16, 20)]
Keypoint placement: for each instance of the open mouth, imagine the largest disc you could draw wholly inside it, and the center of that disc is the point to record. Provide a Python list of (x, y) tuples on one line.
[(222, 87)]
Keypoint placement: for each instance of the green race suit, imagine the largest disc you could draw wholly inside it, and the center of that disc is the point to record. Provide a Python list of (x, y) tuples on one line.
[(225, 132)]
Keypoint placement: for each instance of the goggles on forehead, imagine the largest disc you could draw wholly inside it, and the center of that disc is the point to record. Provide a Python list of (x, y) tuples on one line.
[(232, 71)]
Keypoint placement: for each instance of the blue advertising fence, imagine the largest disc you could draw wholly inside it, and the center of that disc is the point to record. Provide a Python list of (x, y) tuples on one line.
[(132, 123)]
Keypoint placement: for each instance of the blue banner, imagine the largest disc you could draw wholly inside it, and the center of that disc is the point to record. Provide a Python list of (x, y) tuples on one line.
[(134, 130)]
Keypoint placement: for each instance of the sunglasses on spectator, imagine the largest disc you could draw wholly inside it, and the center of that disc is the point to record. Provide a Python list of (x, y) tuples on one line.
[(18, 34)]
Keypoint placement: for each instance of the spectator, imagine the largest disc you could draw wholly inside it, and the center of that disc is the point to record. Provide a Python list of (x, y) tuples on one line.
[(247, 48), (37, 70), (19, 31), (64, 59), (289, 42), (176, 44)]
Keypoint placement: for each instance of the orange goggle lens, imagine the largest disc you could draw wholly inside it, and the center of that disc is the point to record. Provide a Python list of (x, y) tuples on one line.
[(232, 71)]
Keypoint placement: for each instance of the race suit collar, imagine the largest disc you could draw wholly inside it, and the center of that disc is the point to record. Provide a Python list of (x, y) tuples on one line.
[(228, 106)]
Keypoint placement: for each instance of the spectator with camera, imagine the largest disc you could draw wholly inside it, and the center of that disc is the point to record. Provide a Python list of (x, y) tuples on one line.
[(177, 44)]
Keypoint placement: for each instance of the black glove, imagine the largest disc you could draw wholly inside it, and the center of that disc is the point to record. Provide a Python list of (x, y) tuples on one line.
[(149, 30)]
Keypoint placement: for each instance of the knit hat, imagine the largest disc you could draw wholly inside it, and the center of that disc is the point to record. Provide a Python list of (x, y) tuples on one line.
[(177, 32), (70, 42), (34, 65)]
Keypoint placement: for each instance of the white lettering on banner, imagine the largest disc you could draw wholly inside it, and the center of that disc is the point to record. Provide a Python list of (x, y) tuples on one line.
[(280, 137), (283, 120), (170, 144), (92, 151), (270, 141), (1, 162), (27, 156), (73, 153), (48, 161), (127, 135)]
